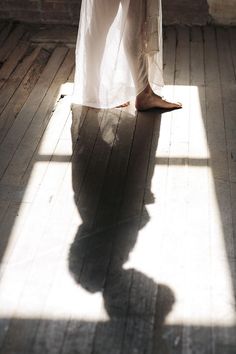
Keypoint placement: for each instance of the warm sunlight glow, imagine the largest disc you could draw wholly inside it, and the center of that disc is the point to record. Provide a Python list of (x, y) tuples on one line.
[(176, 239), (67, 89), (185, 222)]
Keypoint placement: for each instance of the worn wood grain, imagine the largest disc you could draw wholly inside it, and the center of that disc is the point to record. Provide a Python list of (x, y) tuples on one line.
[(5, 32), (20, 96), (16, 78), (13, 60), (30, 107), (39, 122), (11, 42), (117, 227)]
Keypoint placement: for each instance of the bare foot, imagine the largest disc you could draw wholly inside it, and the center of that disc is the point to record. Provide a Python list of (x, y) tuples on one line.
[(147, 99), (126, 104)]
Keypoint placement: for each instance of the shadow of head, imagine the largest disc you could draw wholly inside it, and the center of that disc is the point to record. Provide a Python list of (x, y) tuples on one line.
[(93, 253)]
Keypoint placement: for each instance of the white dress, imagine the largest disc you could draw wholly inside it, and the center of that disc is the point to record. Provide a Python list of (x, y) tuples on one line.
[(118, 51)]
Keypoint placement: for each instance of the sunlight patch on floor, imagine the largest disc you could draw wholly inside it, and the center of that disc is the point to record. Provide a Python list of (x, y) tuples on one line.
[(182, 246)]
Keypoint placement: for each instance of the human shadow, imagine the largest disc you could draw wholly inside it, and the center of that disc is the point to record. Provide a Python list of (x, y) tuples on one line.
[(113, 163)]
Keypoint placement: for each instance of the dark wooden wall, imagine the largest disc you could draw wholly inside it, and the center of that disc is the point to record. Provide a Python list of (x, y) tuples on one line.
[(45, 11), (185, 12), (67, 11)]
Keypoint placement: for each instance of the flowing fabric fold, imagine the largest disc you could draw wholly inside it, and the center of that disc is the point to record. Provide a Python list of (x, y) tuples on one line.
[(118, 51)]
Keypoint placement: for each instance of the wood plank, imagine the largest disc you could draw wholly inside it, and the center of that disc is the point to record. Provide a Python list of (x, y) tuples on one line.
[(179, 132), (88, 200), (2, 24), (107, 222), (56, 34), (110, 330), (34, 134), (45, 153), (11, 42), (197, 75), (233, 198), (31, 106), (90, 193), (112, 192), (141, 315), (31, 262), (5, 226), (40, 161), (5, 32), (155, 235), (4, 205), (169, 54), (227, 74), (81, 159), (132, 217), (16, 78), (198, 145), (6, 323), (11, 226), (164, 139), (49, 178), (24, 298), (3, 208), (37, 284), (137, 164), (169, 89), (228, 88), (20, 96), (182, 91), (228, 92), (220, 224), (62, 112), (118, 282), (13, 60), (232, 38), (175, 199), (197, 242), (215, 122)]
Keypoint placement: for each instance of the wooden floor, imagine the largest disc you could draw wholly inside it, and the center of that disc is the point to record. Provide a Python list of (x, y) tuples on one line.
[(117, 231)]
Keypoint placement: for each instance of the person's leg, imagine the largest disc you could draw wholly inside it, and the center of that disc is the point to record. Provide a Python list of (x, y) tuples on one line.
[(133, 43)]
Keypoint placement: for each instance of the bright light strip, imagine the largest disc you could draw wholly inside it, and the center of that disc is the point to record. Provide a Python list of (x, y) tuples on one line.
[(182, 245)]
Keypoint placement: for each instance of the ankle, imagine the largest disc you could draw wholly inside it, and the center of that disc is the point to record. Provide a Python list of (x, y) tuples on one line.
[(145, 92)]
